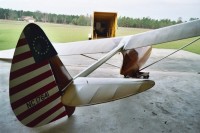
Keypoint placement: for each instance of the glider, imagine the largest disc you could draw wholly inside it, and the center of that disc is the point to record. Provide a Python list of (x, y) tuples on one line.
[(42, 90)]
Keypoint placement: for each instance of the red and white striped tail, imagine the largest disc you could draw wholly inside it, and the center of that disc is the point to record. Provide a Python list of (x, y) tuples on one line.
[(34, 95)]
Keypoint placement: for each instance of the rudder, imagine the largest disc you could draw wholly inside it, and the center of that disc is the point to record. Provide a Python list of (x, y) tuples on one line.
[(35, 86)]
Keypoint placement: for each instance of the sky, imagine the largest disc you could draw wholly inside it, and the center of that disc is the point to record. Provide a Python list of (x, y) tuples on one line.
[(156, 9)]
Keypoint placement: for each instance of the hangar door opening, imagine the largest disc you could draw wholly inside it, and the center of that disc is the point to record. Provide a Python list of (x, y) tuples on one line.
[(104, 25)]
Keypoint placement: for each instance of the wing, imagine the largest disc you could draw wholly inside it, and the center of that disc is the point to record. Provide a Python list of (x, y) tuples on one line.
[(7, 54), (76, 48), (167, 34), (162, 35), (87, 47)]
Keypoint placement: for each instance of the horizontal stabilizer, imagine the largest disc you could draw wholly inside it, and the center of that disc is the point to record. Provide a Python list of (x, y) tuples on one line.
[(89, 91)]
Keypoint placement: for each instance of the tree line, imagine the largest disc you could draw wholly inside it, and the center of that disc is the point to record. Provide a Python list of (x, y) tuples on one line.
[(9, 14), (145, 22), (85, 20)]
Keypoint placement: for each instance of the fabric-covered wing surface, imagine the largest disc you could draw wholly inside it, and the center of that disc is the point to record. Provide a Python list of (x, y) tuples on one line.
[(7, 54), (87, 47), (158, 36), (76, 48), (167, 34)]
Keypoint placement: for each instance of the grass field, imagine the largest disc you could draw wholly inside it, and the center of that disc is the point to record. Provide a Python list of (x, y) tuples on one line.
[(11, 30)]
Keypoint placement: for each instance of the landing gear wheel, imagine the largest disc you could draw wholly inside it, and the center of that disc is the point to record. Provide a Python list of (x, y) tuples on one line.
[(144, 75), (139, 75)]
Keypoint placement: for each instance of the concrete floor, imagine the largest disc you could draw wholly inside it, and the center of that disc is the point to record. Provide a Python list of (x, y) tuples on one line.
[(171, 106)]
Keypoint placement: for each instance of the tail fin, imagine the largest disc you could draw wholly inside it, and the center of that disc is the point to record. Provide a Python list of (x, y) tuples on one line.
[(37, 78)]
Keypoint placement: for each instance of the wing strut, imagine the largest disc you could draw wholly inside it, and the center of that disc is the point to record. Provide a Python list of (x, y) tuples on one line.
[(170, 54), (102, 60)]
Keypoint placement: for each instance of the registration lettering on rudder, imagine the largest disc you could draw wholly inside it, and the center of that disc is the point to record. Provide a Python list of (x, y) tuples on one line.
[(37, 100)]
